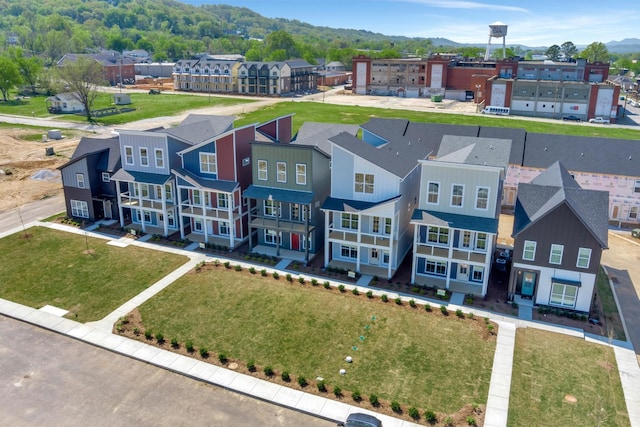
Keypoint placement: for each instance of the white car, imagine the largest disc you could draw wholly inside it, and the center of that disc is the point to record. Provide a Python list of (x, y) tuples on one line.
[(599, 120)]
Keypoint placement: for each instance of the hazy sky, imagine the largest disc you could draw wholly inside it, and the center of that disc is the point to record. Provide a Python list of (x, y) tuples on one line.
[(532, 23)]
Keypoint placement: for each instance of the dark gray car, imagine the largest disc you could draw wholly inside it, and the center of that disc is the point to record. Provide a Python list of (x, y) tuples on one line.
[(362, 420)]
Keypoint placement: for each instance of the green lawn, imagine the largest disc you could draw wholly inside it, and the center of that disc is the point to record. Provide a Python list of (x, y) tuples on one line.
[(417, 358), (321, 112), (147, 106), (612, 317), (548, 368), (52, 268)]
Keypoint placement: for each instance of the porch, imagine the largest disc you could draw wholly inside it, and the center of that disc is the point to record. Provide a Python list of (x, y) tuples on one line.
[(219, 241), (284, 253), (367, 269)]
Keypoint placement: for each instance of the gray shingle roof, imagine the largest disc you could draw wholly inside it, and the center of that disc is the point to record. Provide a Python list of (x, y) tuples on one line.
[(199, 181), (109, 149), (348, 205), (475, 151), (536, 200), (197, 128), (143, 177), (318, 134), (516, 135)]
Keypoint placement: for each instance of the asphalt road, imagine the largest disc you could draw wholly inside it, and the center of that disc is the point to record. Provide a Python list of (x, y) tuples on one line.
[(33, 211), (48, 379)]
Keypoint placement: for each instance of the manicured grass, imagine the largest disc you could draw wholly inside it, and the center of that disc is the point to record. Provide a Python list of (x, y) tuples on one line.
[(550, 368), (612, 317), (321, 112), (51, 267), (147, 106), (417, 358)]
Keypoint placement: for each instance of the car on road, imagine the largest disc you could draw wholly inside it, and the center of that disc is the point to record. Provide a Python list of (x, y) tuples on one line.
[(571, 118), (361, 420), (599, 120)]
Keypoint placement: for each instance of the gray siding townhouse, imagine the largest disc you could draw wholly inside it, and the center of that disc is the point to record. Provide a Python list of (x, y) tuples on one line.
[(560, 230)]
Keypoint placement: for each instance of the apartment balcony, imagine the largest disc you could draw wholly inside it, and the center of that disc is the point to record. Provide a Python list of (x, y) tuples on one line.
[(466, 255), (432, 250), (351, 236), (187, 209), (285, 225), (126, 200)]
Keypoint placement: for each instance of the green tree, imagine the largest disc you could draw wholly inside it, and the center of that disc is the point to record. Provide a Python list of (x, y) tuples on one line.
[(569, 49), (83, 77), (595, 52), (553, 52), (9, 75), (281, 41), (497, 54), (30, 67)]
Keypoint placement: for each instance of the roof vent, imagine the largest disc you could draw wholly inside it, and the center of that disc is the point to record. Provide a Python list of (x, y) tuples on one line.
[(581, 154), (397, 153), (545, 148)]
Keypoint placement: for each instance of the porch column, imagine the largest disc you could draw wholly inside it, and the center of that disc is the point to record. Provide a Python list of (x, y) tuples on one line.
[(203, 200), (449, 257), (414, 258), (144, 229), (232, 223), (327, 245), (120, 209), (180, 218), (392, 254), (164, 211), (278, 228), (358, 237), (307, 211)]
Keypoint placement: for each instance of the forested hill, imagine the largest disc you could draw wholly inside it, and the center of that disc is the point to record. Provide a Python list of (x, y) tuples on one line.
[(172, 30)]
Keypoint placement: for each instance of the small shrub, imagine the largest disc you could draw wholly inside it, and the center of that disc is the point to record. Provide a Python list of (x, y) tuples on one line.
[(263, 272), (415, 290), (276, 275), (301, 280), (469, 300), (148, 335), (459, 313), (373, 399), (471, 421), (227, 265), (412, 303), (430, 416), (252, 270), (337, 391), (427, 307), (398, 301), (204, 353), (486, 320), (355, 291), (289, 278), (369, 294), (341, 288), (251, 366), (384, 298), (136, 331), (238, 267), (448, 422), (222, 358), (443, 310), (327, 285), (189, 346), (285, 376), (514, 305), (268, 371), (314, 282), (302, 381), (160, 337), (469, 315), (322, 387), (395, 406), (356, 396), (414, 413), (216, 262), (490, 327), (175, 343)]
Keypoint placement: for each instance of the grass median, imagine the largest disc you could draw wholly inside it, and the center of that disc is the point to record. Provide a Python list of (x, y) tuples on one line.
[(53, 267)]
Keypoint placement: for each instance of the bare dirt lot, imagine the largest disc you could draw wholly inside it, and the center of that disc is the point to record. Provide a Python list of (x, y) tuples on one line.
[(21, 159)]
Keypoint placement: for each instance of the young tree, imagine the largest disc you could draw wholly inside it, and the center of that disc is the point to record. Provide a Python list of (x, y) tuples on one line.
[(569, 49), (30, 67), (553, 52), (83, 77), (596, 52), (9, 76)]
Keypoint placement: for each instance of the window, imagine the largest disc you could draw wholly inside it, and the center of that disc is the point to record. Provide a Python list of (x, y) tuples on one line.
[(158, 189), (350, 221), (171, 221), (297, 212), (584, 257), (271, 208), (223, 200), (633, 212), (147, 216), (529, 251), (208, 163), (303, 242), (481, 241), (262, 170), (144, 190), (438, 235), (478, 273), (196, 197), (349, 251), (144, 157), (168, 193), (482, 198), (106, 177), (223, 228), (128, 155), (281, 171), (563, 295), (437, 268), (433, 192), (197, 225), (556, 254), (364, 183), (301, 174), (159, 156), (387, 226), (375, 228), (636, 187), (270, 237), (80, 180), (79, 209), (457, 191)]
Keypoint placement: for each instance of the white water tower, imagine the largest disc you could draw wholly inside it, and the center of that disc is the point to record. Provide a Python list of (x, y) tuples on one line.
[(497, 29)]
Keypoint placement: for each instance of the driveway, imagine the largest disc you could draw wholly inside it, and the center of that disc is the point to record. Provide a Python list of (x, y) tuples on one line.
[(49, 379)]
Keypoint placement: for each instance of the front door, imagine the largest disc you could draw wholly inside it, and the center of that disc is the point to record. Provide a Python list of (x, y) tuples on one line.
[(463, 272), (528, 283), (295, 242)]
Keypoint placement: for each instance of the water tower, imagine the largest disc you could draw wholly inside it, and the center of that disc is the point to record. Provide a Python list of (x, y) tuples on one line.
[(497, 29)]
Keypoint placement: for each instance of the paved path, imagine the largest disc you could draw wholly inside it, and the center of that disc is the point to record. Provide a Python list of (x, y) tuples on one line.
[(500, 387)]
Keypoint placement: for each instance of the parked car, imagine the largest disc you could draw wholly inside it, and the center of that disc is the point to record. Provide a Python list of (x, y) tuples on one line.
[(599, 120), (361, 420), (571, 118)]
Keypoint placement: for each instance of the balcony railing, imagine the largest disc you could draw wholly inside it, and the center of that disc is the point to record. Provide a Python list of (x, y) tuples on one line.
[(144, 203), (349, 235), (189, 209)]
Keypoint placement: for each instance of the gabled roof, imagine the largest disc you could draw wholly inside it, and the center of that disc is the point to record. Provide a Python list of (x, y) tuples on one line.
[(197, 128), (516, 135), (298, 63), (205, 183), (398, 156), (348, 205), (142, 177), (318, 134), (475, 151), (65, 96), (553, 188), (386, 128), (109, 149)]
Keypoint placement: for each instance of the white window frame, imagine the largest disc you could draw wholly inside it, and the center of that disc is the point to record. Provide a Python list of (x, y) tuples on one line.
[(128, 155), (80, 180), (584, 258), (633, 212), (529, 246), (270, 208), (484, 199), (171, 220), (281, 171), (301, 212), (144, 191), (481, 237), (271, 237), (263, 174), (147, 217), (434, 267), (303, 242), (159, 160), (348, 251), (144, 156), (223, 200), (208, 162), (432, 194), (559, 293), (223, 228), (454, 196), (465, 241), (106, 177), (440, 234), (168, 192), (477, 275), (198, 227), (79, 208), (301, 173), (352, 220), (196, 197), (636, 186), (556, 252), (362, 184)]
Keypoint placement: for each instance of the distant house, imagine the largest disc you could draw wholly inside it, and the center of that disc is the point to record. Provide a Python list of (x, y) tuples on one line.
[(559, 231), (64, 103), (116, 69), (89, 192)]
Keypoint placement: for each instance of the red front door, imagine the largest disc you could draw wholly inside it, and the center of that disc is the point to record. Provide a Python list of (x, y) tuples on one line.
[(295, 242)]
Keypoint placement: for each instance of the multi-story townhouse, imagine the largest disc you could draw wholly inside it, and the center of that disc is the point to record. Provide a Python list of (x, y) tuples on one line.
[(150, 198), (456, 222), (374, 189), (206, 74), (290, 181), (89, 191), (211, 179), (275, 78), (560, 230)]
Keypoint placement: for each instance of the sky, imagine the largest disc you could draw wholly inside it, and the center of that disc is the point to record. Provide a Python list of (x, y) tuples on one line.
[(534, 23)]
